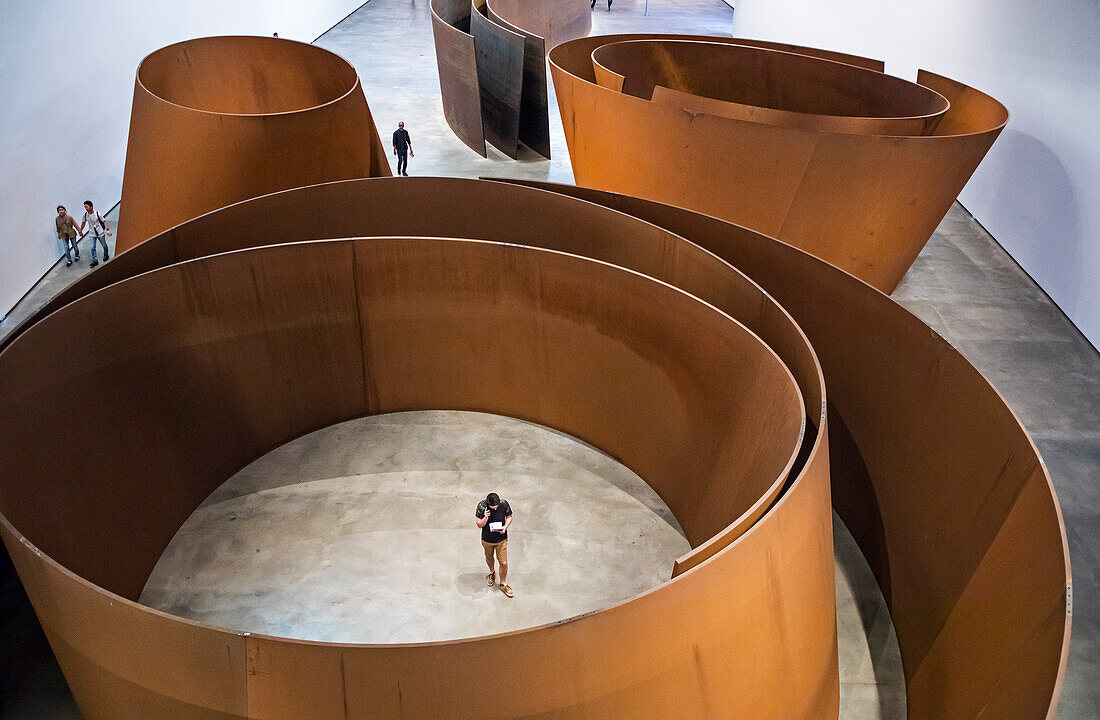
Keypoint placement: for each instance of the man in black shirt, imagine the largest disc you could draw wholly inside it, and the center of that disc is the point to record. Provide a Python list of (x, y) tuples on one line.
[(493, 516), (402, 144)]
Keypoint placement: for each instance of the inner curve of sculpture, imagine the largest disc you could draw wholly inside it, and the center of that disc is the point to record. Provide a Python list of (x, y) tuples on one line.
[(753, 385), (821, 151)]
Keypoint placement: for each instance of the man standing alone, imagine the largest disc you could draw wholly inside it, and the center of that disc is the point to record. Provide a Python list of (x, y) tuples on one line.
[(402, 148), (493, 516)]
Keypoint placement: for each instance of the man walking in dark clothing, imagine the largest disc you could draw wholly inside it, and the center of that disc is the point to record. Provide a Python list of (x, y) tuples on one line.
[(493, 516), (402, 148)]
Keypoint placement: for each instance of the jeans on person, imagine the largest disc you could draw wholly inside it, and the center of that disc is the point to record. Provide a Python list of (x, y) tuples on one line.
[(68, 256), (402, 161), (103, 240)]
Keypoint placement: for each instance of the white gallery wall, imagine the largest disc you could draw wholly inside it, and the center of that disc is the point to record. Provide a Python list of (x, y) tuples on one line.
[(1038, 190), (66, 84)]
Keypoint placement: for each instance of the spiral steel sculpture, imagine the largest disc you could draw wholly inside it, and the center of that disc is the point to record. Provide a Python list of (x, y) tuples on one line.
[(621, 321), (819, 150)]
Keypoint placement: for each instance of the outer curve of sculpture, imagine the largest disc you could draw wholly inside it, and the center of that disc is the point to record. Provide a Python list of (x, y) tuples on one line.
[(935, 476), (855, 171), (220, 119)]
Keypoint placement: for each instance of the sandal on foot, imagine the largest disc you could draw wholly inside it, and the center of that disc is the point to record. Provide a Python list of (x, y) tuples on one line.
[(491, 579), (507, 590)]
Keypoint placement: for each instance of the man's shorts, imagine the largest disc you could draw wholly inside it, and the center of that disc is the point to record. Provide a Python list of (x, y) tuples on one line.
[(500, 548)]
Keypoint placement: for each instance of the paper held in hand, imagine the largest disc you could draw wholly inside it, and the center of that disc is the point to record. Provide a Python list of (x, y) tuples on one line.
[(496, 526)]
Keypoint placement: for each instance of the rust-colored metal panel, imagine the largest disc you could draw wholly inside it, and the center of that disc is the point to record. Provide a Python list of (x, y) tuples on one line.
[(499, 59), (937, 479), (222, 119), (457, 61), (864, 201), (555, 21)]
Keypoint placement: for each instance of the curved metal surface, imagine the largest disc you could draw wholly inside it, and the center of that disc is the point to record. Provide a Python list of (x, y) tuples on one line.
[(492, 77), (499, 53), (534, 112), (342, 309), (934, 475), (221, 119), (456, 59), (555, 21), (865, 202)]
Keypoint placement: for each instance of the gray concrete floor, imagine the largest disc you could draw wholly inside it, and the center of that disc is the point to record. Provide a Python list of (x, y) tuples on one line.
[(364, 532), (963, 284)]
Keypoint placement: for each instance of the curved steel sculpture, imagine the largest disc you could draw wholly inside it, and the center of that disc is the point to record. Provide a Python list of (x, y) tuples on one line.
[(385, 324), (853, 166), (931, 470), (492, 67), (221, 119), (552, 21)]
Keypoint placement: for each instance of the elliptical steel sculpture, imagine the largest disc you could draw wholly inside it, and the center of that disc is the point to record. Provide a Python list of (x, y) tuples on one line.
[(851, 165), (221, 119), (695, 350)]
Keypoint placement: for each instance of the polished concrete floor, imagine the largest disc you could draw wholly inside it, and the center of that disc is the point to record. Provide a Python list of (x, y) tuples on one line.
[(963, 284)]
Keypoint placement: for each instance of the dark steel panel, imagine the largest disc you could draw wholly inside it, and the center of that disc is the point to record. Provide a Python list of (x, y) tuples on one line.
[(457, 62), (534, 118), (554, 370), (500, 58)]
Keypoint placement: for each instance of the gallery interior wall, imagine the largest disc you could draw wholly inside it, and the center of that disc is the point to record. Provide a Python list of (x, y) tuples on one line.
[(1038, 190), (66, 83)]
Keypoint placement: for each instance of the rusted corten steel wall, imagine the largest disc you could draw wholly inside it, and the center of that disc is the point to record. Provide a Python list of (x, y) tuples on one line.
[(565, 342), (222, 119), (555, 21), (933, 473), (852, 181)]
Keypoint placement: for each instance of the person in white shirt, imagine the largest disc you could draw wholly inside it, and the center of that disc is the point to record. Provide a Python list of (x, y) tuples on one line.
[(98, 227)]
